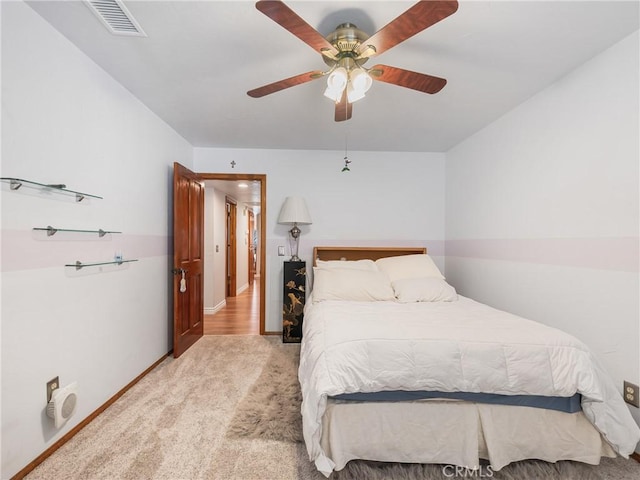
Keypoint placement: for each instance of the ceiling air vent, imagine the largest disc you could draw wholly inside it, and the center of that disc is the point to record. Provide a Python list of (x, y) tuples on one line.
[(115, 16)]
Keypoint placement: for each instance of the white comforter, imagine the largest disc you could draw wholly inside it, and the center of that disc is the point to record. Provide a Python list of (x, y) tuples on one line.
[(448, 346)]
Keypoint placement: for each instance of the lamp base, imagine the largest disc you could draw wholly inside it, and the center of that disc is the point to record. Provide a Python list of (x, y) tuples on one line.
[(295, 236)]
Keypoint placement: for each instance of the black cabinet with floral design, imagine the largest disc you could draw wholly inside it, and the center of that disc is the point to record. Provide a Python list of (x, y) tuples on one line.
[(295, 274)]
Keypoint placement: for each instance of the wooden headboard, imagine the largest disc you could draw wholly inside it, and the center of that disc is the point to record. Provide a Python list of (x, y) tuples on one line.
[(361, 253)]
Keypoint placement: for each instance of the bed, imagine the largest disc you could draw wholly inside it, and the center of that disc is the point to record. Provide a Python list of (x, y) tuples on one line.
[(395, 366)]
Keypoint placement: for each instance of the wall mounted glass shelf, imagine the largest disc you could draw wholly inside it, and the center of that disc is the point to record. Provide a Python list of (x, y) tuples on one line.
[(52, 231), (16, 183), (79, 265)]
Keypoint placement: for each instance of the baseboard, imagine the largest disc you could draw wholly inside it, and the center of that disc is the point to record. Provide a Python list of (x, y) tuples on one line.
[(242, 289), (71, 433), (212, 310)]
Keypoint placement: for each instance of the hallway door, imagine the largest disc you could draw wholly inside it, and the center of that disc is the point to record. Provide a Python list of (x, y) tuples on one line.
[(231, 247)]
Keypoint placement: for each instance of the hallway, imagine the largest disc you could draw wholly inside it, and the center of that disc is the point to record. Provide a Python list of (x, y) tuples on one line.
[(240, 316)]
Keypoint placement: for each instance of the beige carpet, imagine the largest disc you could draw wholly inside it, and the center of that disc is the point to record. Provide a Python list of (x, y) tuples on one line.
[(229, 409)]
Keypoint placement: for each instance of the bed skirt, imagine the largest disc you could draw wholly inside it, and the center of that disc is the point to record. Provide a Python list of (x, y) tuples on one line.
[(456, 433)]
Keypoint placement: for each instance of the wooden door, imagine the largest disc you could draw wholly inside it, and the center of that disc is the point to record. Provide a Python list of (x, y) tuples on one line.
[(251, 227), (231, 207), (188, 249)]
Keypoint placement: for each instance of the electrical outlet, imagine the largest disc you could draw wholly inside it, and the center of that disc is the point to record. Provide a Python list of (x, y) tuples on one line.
[(631, 394), (281, 251), (52, 385)]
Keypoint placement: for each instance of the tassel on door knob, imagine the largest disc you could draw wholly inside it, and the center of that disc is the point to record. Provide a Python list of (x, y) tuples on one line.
[(183, 281)]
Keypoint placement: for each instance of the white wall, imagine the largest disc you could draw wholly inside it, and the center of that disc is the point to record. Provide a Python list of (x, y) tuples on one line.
[(542, 209), (208, 298), (65, 121), (220, 240), (387, 199), (215, 261)]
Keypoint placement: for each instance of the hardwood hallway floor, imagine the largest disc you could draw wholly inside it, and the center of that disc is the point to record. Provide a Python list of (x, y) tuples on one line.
[(240, 316)]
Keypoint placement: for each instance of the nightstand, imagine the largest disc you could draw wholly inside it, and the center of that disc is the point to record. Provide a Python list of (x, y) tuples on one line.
[(295, 275)]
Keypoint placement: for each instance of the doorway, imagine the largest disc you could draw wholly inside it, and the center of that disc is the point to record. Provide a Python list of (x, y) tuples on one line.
[(239, 306)]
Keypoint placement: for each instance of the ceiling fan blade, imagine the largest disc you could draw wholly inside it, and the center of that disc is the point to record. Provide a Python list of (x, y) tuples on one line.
[(419, 17), (288, 19), (344, 109), (406, 78), (286, 83)]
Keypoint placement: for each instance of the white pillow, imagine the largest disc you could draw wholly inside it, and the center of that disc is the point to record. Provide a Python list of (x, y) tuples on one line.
[(425, 289), (351, 264), (350, 284), (408, 266)]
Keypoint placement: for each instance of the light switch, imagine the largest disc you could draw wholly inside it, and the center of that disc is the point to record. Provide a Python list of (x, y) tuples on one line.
[(280, 250)]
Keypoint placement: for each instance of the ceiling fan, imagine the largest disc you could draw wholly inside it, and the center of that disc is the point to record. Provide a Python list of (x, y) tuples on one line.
[(346, 49)]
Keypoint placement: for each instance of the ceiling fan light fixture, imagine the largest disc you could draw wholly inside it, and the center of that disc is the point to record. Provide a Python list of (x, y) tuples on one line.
[(336, 83), (347, 48), (338, 79), (353, 94), (333, 94), (360, 80)]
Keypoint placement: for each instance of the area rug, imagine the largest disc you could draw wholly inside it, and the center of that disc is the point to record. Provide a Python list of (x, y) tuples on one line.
[(271, 410), (521, 470)]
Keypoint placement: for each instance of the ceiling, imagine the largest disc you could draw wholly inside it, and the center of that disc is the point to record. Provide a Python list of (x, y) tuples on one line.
[(201, 57), (243, 191)]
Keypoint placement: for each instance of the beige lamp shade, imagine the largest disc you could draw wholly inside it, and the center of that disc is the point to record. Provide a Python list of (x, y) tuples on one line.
[(294, 211)]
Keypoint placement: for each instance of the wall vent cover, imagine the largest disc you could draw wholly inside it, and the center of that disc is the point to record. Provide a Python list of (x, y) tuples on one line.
[(116, 17)]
